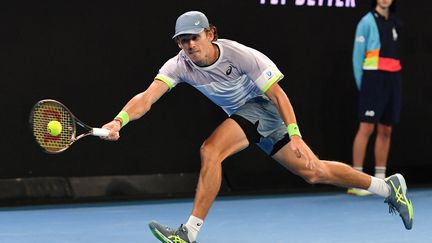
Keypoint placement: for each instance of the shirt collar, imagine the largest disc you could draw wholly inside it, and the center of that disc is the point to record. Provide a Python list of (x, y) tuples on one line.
[(378, 15)]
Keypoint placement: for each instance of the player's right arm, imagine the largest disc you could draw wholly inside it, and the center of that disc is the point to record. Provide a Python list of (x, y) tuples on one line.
[(138, 106)]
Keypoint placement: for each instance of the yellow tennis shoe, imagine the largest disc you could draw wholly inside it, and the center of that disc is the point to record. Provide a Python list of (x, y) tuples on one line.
[(398, 200), (168, 235)]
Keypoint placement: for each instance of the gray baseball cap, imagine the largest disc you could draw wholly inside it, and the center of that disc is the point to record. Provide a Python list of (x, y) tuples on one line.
[(192, 22)]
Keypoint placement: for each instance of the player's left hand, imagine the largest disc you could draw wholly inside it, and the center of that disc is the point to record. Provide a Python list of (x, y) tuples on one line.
[(301, 150)]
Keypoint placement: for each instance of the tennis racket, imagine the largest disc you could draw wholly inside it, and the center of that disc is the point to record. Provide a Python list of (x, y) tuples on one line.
[(48, 110)]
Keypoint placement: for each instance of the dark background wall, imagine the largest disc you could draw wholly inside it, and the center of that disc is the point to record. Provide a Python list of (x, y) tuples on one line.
[(95, 55)]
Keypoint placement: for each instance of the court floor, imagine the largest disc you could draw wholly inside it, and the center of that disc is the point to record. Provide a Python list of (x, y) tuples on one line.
[(330, 217)]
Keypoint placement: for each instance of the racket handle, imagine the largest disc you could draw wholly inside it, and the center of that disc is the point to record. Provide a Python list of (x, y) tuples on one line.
[(100, 132)]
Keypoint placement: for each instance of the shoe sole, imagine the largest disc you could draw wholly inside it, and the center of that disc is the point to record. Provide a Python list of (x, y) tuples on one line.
[(159, 235)]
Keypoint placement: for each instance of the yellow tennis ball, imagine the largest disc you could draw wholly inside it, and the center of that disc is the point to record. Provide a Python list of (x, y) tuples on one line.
[(54, 128)]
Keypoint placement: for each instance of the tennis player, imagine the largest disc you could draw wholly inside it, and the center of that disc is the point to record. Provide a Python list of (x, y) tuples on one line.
[(244, 83)]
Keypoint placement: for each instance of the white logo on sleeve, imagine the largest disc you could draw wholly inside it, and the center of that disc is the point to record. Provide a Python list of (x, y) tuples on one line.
[(197, 22), (395, 34), (360, 39), (370, 113), (269, 74)]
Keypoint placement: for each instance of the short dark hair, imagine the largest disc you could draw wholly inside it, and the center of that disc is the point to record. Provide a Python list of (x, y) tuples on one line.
[(214, 30), (392, 6)]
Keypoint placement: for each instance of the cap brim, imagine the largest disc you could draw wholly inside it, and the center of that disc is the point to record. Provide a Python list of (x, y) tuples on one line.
[(189, 32)]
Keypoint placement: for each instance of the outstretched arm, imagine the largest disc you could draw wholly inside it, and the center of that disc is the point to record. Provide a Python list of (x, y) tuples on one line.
[(279, 97), (139, 105)]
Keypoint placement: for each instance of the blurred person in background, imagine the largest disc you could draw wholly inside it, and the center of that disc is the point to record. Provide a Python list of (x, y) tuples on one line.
[(377, 71)]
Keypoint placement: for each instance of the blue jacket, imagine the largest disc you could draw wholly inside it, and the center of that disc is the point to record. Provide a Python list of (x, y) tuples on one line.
[(367, 49)]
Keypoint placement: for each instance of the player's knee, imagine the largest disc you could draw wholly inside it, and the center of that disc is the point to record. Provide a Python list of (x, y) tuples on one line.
[(209, 154), (318, 174)]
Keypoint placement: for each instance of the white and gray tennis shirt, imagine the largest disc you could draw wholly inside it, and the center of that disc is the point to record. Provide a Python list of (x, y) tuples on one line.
[(239, 74)]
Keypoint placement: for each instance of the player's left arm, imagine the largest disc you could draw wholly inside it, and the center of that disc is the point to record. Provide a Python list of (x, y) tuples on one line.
[(280, 99)]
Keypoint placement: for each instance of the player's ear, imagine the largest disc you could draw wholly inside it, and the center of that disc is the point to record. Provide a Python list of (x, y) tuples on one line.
[(209, 35), (178, 42)]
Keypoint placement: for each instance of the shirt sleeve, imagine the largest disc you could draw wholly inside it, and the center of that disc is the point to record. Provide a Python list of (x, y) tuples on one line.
[(259, 68), (169, 73)]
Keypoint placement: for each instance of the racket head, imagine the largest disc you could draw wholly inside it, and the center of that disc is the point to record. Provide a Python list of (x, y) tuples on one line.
[(48, 110)]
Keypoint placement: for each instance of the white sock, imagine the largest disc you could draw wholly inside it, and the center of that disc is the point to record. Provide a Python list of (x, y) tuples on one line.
[(380, 171), (379, 187), (193, 225)]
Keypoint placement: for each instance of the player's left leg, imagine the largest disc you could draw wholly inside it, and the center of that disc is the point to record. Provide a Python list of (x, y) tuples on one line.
[(394, 188), (327, 172)]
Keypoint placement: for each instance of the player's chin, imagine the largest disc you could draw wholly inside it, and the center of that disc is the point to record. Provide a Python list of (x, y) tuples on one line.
[(194, 56)]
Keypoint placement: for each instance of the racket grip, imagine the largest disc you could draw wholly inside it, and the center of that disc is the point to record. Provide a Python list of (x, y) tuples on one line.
[(100, 132)]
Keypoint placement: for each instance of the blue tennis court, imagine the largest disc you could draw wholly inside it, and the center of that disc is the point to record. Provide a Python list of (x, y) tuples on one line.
[(327, 217)]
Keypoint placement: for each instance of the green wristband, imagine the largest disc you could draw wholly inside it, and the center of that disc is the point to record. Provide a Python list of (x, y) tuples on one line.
[(124, 116), (293, 130)]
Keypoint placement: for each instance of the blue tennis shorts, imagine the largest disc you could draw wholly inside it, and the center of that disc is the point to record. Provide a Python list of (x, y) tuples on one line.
[(260, 120), (380, 97)]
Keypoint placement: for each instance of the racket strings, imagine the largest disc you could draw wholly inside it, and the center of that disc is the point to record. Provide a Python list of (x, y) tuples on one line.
[(45, 112)]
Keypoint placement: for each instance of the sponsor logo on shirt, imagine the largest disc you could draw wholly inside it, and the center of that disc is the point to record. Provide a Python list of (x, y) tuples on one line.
[(269, 74), (229, 70)]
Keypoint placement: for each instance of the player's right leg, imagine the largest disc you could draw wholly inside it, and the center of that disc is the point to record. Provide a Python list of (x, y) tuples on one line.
[(227, 139)]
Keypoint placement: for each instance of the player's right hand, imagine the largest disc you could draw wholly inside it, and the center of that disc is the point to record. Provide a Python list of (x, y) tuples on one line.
[(114, 128), (301, 150)]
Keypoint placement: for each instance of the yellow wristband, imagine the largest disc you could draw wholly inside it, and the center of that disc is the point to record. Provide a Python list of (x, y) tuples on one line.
[(124, 116), (293, 130)]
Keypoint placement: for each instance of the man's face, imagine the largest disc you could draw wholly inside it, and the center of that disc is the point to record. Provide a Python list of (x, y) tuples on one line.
[(384, 4), (196, 47)]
